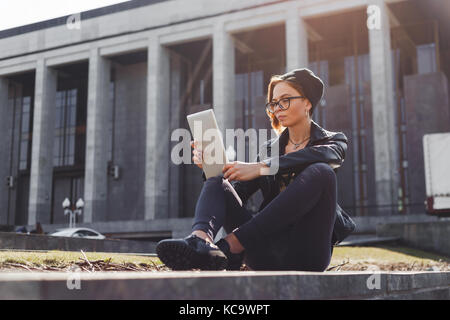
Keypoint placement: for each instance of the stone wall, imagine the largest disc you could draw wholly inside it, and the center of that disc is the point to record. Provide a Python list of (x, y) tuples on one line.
[(429, 236), (241, 285)]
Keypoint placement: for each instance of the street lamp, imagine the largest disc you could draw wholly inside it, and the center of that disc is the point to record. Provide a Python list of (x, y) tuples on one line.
[(72, 213)]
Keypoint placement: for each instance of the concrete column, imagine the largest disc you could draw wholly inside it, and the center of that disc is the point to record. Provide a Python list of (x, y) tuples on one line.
[(383, 114), (175, 123), (223, 79), (296, 41), (6, 113), (14, 123), (158, 131), (98, 109), (42, 146)]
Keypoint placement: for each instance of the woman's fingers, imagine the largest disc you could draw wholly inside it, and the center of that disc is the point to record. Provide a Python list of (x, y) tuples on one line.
[(228, 169), (232, 176), (197, 161), (196, 151), (197, 155), (229, 172), (228, 166), (224, 171), (194, 144)]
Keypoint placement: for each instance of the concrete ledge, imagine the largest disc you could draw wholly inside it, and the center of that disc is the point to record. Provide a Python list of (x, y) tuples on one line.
[(9, 240), (429, 236), (367, 224), (214, 285)]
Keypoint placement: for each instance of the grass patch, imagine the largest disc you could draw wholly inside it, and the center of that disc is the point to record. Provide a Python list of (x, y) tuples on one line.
[(67, 260), (389, 258)]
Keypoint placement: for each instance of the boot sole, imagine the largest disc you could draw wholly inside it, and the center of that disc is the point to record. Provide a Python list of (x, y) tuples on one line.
[(180, 256)]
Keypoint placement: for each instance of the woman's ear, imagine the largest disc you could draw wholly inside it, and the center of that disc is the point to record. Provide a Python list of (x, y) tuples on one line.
[(308, 105)]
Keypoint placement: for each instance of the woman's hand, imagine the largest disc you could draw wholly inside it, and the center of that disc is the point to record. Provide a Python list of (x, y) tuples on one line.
[(197, 154), (242, 171)]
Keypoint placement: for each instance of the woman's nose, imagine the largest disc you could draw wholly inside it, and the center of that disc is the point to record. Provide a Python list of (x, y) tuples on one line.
[(277, 110)]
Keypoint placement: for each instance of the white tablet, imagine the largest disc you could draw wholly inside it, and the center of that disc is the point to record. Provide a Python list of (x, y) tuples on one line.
[(204, 129)]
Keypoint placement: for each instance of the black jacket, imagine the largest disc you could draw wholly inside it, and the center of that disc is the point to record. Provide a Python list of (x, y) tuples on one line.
[(324, 146)]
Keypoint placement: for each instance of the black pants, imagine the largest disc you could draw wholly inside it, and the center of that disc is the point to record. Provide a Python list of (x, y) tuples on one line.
[(293, 232)]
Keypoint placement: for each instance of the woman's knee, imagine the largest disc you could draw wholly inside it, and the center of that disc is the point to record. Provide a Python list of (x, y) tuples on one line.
[(320, 166), (320, 170), (213, 183), (215, 179)]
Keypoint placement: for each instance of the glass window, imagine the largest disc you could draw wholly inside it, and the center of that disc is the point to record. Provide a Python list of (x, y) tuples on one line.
[(23, 154), (56, 151), (73, 116), (25, 130), (57, 117), (85, 233), (65, 124), (26, 104), (25, 122), (426, 58)]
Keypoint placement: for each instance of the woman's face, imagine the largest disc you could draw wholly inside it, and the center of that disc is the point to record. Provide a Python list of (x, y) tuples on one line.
[(296, 113)]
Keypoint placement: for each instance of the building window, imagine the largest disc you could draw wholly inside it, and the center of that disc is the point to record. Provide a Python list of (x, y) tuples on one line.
[(426, 58), (65, 128), (111, 122)]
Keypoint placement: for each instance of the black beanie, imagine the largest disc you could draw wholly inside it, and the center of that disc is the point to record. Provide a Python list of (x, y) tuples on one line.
[(311, 84)]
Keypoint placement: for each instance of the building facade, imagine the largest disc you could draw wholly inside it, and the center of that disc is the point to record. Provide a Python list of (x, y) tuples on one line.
[(88, 103)]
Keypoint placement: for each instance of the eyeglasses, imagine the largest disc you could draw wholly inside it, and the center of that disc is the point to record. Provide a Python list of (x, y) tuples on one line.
[(283, 103)]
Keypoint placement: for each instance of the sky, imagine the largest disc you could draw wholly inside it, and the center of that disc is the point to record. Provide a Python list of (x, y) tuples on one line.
[(15, 13)]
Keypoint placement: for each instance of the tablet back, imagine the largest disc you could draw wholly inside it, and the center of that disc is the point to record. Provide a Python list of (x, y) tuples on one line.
[(204, 129)]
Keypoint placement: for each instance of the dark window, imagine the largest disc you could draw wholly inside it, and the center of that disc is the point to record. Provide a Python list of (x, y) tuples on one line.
[(65, 128), (25, 131), (85, 233)]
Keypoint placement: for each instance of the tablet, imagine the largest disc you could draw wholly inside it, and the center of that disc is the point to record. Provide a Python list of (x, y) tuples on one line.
[(204, 129)]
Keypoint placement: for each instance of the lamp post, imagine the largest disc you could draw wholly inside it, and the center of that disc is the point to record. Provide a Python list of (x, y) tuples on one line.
[(72, 213)]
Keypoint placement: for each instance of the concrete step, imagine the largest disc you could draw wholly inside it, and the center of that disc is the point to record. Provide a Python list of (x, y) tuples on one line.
[(226, 285)]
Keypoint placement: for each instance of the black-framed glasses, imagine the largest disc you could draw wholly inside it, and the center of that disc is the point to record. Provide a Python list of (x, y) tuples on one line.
[(283, 103)]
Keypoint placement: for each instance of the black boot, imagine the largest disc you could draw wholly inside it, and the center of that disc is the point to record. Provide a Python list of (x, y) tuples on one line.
[(191, 252), (234, 259)]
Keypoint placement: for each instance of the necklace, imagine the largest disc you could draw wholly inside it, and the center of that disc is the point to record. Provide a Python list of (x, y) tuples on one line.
[(297, 144)]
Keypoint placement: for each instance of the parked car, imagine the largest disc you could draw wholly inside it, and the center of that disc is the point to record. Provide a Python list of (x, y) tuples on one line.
[(78, 233)]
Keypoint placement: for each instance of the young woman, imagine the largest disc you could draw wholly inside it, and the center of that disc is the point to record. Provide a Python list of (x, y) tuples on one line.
[(294, 225)]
